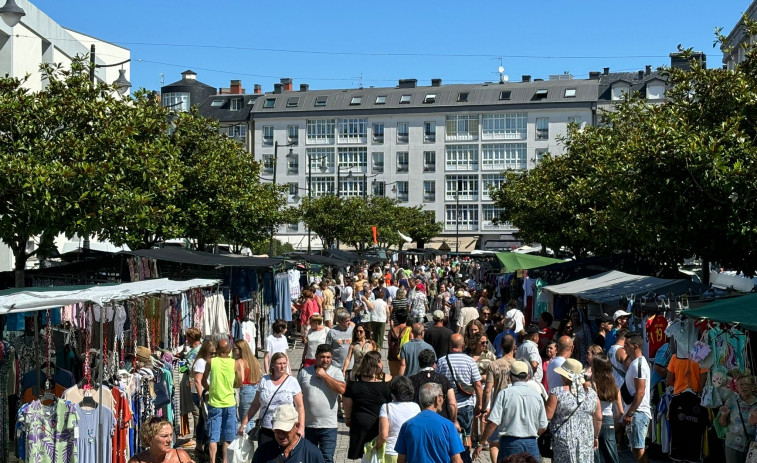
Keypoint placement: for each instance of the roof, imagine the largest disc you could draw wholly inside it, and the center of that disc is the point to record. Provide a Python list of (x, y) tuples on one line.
[(513, 262), (184, 82), (606, 82), (218, 107), (738, 310), (608, 287), (186, 256), (426, 98)]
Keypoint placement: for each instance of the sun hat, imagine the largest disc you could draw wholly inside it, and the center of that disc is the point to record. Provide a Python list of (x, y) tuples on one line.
[(570, 368), (284, 417)]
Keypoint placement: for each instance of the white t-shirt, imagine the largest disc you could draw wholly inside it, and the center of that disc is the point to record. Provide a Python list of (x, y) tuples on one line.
[(199, 367), (554, 379), (639, 368), (530, 351), (274, 345), (398, 413), (289, 389), (516, 316), (347, 293), (315, 339), (378, 314)]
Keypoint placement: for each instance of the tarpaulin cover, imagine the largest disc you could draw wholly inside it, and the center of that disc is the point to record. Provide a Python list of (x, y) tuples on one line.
[(513, 262), (186, 256), (608, 287), (741, 310), (28, 299)]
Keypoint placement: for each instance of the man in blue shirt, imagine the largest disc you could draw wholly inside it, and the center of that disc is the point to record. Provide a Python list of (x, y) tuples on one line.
[(289, 444), (429, 437), (410, 350)]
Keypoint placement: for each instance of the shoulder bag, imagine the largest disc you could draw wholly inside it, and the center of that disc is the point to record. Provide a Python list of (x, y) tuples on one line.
[(255, 431), (544, 442), (625, 394), (465, 389)]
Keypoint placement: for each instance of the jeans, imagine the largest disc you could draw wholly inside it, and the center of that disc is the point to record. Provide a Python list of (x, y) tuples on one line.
[(246, 396), (200, 433), (324, 439), (608, 448), (514, 445), (465, 419), (637, 431), (348, 306)]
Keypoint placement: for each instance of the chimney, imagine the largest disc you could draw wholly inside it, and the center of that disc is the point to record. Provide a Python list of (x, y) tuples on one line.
[(235, 87), (304, 87), (408, 83), (606, 71), (641, 75), (258, 89), (525, 78), (189, 75), (286, 84), (594, 75), (648, 70), (436, 82), (680, 61), (277, 88)]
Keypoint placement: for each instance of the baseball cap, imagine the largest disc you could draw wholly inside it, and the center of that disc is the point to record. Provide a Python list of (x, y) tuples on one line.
[(603, 318), (519, 369), (284, 417), (438, 315), (620, 313), (459, 294), (533, 329)]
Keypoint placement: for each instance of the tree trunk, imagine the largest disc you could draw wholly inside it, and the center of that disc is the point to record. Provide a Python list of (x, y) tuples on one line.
[(20, 267)]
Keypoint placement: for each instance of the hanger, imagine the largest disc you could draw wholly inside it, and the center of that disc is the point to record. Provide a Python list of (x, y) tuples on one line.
[(88, 400), (48, 395)]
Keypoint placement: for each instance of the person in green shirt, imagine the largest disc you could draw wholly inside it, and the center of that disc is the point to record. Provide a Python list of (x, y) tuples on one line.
[(222, 404)]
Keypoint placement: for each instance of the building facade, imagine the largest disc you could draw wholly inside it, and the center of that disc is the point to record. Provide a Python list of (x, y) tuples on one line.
[(733, 50)]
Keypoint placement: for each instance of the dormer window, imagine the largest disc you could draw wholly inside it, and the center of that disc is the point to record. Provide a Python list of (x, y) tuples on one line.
[(430, 98), (236, 104), (356, 100), (655, 90), (269, 102), (541, 94), (292, 102), (320, 101), (462, 97), (619, 89)]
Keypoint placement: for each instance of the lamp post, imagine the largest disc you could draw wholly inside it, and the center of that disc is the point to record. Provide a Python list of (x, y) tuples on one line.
[(122, 82), (271, 249), (457, 218), (11, 13)]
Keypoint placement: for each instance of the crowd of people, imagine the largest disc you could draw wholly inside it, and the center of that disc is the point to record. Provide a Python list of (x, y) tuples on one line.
[(467, 373)]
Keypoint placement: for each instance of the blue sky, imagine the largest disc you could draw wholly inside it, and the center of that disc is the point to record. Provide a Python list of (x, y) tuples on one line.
[(331, 44)]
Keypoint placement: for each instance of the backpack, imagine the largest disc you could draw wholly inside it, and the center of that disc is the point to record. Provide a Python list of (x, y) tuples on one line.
[(395, 342)]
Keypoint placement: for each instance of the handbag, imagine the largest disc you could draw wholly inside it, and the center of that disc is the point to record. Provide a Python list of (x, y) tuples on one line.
[(544, 441), (254, 433), (465, 389), (625, 394), (161, 394)]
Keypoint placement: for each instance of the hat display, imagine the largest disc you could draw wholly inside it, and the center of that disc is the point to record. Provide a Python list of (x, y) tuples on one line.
[(569, 368), (620, 313), (143, 354), (519, 368), (284, 417), (438, 315), (533, 329)]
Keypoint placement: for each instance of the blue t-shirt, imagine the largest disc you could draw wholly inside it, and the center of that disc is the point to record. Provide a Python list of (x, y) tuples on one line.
[(303, 452), (428, 437), (662, 357), (498, 341), (610, 338)]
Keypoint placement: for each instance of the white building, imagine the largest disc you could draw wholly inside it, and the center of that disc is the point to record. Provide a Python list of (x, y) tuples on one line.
[(733, 51), (38, 39)]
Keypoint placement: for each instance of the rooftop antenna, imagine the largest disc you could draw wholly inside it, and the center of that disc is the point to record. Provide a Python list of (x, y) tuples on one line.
[(502, 76), (360, 83), (162, 79)]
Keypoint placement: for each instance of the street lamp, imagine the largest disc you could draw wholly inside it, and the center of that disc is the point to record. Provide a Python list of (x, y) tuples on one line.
[(457, 217), (11, 13), (275, 159), (122, 83), (310, 180), (394, 186)]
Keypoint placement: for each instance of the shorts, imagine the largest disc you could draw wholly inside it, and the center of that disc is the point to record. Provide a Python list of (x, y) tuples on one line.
[(328, 315), (637, 431), (222, 424)]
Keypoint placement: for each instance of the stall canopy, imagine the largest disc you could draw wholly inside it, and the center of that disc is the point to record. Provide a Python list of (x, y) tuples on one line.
[(29, 299), (186, 256), (608, 287), (513, 262), (741, 310)]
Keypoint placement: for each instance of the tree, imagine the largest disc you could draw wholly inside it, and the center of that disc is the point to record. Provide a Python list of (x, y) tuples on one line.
[(418, 224), (327, 216)]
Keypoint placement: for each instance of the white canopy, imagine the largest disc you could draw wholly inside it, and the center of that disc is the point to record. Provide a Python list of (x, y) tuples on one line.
[(608, 287), (37, 299)]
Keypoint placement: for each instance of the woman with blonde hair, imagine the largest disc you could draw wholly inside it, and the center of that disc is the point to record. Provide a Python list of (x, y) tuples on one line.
[(156, 435), (592, 352), (739, 414), (612, 407), (249, 372)]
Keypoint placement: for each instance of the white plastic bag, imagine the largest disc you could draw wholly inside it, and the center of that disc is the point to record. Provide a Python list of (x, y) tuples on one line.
[(240, 450)]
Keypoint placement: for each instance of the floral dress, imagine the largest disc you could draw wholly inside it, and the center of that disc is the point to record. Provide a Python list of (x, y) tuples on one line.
[(574, 440)]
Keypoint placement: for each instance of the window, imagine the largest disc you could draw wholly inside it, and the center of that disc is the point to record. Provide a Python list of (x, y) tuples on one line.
[(488, 182), (504, 95), (377, 162), (542, 128), (293, 101), (293, 227), (489, 214), (570, 93), (465, 185), (619, 90), (655, 91), (429, 98), (216, 104), (320, 131), (321, 160), (378, 133), (293, 165), (403, 161), (461, 217), (267, 164), (236, 104), (351, 186), (322, 186), (403, 132), (320, 101), (378, 188), (429, 161), (462, 97), (293, 134), (405, 99), (294, 188), (353, 130), (269, 103), (268, 135), (510, 126), (503, 156), (177, 101), (541, 94), (461, 157), (381, 99), (356, 100), (462, 127), (539, 154), (429, 191), (353, 157), (402, 191), (574, 120), (429, 132), (238, 131)]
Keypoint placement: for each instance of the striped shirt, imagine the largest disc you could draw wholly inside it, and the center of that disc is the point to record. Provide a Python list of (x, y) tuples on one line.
[(466, 372)]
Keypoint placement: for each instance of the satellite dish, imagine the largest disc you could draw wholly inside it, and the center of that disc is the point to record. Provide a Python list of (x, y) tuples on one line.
[(505, 78), (501, 69)]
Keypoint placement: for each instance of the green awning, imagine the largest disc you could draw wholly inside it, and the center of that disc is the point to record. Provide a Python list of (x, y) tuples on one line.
[(741, 310), (513, 261)]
